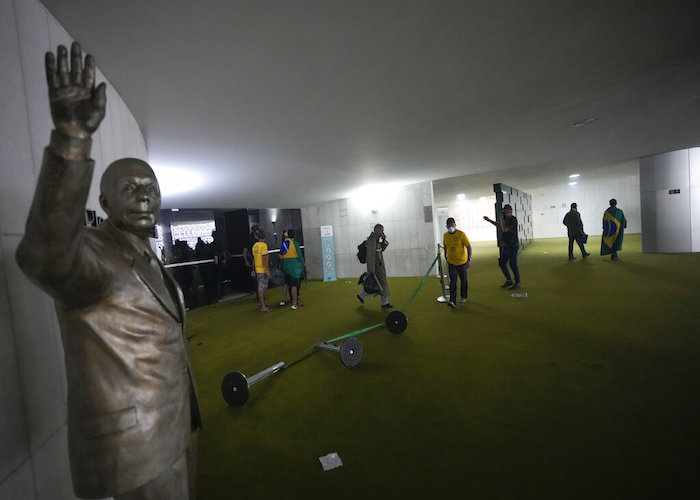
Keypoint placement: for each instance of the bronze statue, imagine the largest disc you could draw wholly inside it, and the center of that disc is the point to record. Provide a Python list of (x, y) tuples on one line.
[(133, 411)]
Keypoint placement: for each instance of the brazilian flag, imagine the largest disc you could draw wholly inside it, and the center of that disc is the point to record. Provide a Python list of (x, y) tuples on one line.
[(614, 224)]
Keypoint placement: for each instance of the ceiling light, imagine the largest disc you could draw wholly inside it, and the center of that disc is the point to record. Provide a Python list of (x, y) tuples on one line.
[(178, 180), (376, 196), (587, 121), (573, 176), (174, 209), (572, 183), (461, 196)]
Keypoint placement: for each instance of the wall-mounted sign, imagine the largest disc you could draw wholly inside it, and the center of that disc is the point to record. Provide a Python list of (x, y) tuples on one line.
[(328, 253)]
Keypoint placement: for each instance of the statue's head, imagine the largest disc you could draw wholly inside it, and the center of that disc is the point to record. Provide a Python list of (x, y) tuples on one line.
[(130, 196)]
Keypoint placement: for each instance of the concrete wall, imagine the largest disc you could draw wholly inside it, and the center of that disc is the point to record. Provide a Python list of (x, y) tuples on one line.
[(550, 204), (670, 193), (33, 460), (412, 246)]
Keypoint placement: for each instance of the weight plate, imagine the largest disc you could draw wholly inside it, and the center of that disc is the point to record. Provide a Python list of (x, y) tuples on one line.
[(234, 389), (351, 352), (396, 322)]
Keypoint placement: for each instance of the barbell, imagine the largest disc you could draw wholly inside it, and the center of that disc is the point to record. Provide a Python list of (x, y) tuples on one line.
[(235, 387)]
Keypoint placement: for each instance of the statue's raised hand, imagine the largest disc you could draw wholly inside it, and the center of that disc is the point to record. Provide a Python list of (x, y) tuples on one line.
[(77, 107)]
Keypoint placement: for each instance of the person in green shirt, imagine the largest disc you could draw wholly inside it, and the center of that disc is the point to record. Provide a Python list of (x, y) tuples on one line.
[(293, 267)]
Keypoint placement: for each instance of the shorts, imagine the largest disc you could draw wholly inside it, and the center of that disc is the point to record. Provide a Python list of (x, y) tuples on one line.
[(263, 280), (291, 281)]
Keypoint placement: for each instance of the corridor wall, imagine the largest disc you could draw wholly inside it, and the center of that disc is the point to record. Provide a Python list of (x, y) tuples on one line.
[(412, 246)]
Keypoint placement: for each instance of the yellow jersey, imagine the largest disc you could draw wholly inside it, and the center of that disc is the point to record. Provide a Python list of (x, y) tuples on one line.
[(456, 244), (259, 250)]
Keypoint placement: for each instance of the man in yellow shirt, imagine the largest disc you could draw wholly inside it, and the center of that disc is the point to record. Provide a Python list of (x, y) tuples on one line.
[(261, 267), (458, 260)]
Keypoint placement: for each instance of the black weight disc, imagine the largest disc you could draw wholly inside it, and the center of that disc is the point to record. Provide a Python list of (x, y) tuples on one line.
[(234, 389), (351, 352), (396, 322)]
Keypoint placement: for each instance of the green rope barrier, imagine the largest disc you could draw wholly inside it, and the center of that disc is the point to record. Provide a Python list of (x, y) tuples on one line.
[(420, 285), (356, 332), (311, 349)]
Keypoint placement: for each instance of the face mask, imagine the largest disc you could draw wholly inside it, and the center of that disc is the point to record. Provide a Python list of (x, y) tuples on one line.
[(451, 229)]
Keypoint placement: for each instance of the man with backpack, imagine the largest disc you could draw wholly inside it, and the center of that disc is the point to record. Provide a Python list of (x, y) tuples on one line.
[(376, 244)]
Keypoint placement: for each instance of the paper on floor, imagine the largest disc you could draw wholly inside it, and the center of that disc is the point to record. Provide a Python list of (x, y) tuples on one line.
[(330, 461)]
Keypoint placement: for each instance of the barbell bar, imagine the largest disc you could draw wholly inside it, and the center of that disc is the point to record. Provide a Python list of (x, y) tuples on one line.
[(350, 350)]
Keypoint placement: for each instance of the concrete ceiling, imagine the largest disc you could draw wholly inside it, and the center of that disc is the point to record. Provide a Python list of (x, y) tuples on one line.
[(288, 103)]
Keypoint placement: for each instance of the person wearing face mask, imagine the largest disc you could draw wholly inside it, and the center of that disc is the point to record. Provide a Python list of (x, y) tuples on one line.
[(458, 260)]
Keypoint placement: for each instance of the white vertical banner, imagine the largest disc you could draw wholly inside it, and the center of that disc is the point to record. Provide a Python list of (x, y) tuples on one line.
[(328, 252)]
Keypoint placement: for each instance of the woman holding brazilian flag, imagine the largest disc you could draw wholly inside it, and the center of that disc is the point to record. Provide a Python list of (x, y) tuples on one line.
[(614, 224)]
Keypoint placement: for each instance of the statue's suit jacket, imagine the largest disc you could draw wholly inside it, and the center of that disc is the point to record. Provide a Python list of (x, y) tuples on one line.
[(132, 400)]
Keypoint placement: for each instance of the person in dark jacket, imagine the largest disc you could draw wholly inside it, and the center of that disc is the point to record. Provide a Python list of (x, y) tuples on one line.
[(574, 230), (507, 226), (376, 244)]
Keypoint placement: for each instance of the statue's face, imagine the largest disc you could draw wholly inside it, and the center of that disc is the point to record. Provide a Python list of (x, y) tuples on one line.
[(132, 200)]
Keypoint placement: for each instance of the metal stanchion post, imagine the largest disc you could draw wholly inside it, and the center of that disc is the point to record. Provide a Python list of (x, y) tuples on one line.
[(442, 298)]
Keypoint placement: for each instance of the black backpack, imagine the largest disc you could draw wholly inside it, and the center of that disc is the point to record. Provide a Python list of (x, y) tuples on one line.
[(362, 252)]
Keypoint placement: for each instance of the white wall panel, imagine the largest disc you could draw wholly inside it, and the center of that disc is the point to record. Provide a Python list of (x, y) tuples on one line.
[(32, 23), (671, 170), (52, 468), (671, 222), (694, 167), (19, 485), (649, 223), (672, 226), (404, 226), (16, 168), (39, 351), (13, 438)]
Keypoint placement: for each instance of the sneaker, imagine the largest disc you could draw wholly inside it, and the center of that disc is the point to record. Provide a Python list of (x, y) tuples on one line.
[(360, 298), (507, 284), (283, 303), (516, 287), (298, 306), (586, 255), (387, 306), (452, 304), (463, 300)]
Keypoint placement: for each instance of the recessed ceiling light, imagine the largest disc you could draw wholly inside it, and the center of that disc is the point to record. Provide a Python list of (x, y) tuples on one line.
[(587, 121), (573, 176), (176, 180), (572, 183), (174, 209)]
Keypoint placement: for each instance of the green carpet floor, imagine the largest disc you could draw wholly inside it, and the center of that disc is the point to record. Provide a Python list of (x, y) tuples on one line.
[(586, 388)]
